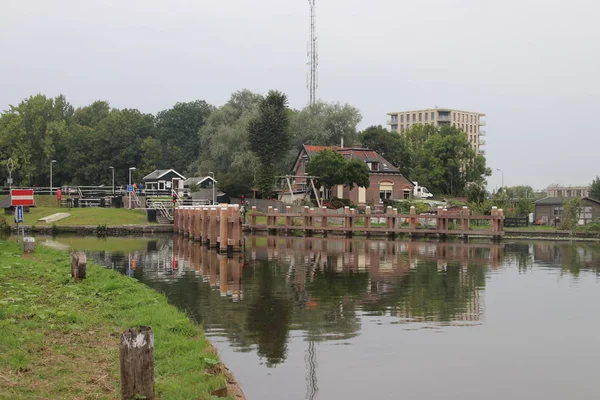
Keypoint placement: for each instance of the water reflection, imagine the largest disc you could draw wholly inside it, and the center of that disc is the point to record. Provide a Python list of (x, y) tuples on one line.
[(287, 299)]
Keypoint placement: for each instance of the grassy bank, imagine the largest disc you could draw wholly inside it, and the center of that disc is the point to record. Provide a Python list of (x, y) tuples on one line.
[(59, 340), (86, 216)]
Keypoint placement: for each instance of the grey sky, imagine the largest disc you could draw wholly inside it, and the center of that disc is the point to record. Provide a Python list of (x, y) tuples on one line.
[(530, 65)]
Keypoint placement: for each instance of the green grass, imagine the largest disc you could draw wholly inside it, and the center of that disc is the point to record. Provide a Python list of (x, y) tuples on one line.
[(59, 339), (534, 228), (86, 216)]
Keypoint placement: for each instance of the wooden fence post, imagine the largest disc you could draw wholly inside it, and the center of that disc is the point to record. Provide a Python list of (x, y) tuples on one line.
[(136, 354), (367, 218), (78, 265), (324, 219), (28, 244), (413, 220)]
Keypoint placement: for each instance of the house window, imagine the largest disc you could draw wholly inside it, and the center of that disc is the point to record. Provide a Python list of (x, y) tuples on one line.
[(402, 118), (420, 117), (395, 128), (161, 185), (401, 128), (374, 166), (385, 191), (579, 193), (395, 118), (453, 116), (406, 193), (414, 117), (557, 212), (585, 215), (426, 116)]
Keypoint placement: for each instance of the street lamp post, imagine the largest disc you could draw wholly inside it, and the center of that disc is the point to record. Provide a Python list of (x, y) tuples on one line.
[(113, 180), (51, 162), (213, 186), (129, 193), (498, 169)]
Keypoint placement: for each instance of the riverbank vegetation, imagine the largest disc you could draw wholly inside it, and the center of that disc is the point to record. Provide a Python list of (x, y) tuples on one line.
[(60, 339)]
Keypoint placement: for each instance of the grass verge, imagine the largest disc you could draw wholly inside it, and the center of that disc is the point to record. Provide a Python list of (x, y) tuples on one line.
[(59, 339), (87, 216)]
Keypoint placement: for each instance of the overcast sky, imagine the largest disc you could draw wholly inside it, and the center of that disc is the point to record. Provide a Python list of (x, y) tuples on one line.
[(532, 66)]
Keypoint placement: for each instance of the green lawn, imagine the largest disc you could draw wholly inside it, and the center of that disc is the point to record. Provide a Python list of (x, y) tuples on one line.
[(59, 339), (86, 216)]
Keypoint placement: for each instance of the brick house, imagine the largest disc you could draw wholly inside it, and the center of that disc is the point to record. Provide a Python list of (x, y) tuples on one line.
[(549, 210), (386, 181)]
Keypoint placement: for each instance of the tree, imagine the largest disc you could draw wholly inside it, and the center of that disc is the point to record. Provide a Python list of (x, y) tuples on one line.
[(595, 189), (329, 168), (177, 130), (391, 146), (32, 134), (269, 137), (443, 160), (570, 215), (356, 173), (225, 145)]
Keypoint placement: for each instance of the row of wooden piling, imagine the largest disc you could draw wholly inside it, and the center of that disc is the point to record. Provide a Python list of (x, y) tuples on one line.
[(218, 227), (393, 221)]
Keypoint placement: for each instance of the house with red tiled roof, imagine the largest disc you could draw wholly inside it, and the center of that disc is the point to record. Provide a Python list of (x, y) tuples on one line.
[(386, 181)]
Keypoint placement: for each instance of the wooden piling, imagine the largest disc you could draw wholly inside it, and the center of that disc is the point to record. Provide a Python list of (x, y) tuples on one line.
[(136, 354), (78, 265)]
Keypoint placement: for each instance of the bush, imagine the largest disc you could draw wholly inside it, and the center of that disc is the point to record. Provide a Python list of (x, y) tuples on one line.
[(4, 226), (336, 203)]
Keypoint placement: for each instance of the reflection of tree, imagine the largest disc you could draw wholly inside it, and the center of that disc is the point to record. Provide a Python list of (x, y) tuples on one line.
[(268, 316), (518, 254), (429, 294)]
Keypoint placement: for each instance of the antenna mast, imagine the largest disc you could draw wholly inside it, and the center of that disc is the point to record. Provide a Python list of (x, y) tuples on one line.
[(313, 57)]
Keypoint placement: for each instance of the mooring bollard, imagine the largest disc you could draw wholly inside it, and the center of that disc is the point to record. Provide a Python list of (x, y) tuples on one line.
[(78, 265), (28, 244), (136, 354)]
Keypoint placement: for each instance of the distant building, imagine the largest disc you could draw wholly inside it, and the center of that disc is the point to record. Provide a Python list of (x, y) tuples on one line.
[(549, 210), (568, 191), (164, 180), (470, 122)]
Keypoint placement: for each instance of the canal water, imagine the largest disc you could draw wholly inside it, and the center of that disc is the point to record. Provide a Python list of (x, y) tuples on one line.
[(314, 318)]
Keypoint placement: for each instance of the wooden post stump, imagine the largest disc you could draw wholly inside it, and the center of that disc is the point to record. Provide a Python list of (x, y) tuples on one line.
[(28, 244), (78, 265), (136, 354)]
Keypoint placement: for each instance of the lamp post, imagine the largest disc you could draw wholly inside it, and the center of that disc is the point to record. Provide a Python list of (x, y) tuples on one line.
[(213, 186), (128, 186), (113, 181), (498, 169), (51, 162)]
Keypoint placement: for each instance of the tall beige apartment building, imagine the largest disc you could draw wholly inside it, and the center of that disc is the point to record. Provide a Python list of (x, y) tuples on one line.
[(470, 122)]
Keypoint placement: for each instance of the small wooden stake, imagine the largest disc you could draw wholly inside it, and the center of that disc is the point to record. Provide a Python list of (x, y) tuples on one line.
[(78, 265), (136, 353), (28, 244)]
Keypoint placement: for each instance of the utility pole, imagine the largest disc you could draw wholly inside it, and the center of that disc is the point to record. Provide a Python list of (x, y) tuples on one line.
[(313, 57)]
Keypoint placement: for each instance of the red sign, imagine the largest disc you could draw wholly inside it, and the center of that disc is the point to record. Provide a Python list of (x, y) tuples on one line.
[(58, 194), (21, 197)]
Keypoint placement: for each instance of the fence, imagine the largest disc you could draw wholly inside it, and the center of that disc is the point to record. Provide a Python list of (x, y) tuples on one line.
[(516, 222), (391, 223)]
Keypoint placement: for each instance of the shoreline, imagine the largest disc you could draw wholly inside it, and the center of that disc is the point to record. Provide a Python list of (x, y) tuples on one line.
[(130, 230), (69, 332)]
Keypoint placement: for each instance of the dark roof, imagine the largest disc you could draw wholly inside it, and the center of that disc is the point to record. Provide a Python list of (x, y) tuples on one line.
[(158, 173), (550, 201), (196, 180), (365, 155)]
